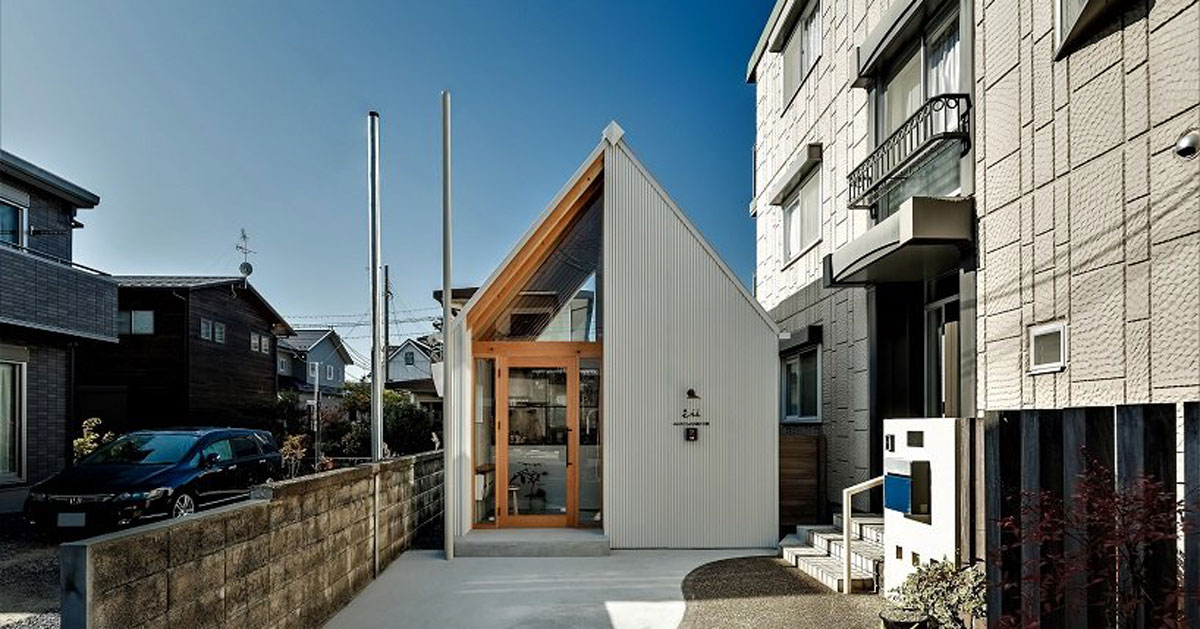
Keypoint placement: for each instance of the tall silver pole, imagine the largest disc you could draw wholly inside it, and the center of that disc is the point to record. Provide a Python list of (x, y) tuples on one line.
[(377, 369), (450, 443)]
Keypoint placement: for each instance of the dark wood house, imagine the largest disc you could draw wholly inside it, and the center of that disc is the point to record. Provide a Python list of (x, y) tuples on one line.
[(192, 351)]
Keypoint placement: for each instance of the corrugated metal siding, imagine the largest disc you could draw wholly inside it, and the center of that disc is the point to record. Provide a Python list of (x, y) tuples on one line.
[(460, 410), (674, 319)]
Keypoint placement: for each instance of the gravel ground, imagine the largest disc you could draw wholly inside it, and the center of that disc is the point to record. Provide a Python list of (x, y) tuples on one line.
[(28, 576), (764, 592)]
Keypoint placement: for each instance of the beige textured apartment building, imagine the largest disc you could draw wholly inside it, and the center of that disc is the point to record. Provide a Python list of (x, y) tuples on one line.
[(1089, 253), (986, 210), (863, 135)]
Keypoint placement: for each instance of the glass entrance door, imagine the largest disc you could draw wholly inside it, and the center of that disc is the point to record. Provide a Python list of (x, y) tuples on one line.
[(539, 443)]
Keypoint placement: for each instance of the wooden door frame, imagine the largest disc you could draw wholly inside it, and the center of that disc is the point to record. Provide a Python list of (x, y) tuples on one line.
[(551, 354)]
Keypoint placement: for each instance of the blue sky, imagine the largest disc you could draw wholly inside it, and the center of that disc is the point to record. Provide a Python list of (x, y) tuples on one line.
[(193, 120)]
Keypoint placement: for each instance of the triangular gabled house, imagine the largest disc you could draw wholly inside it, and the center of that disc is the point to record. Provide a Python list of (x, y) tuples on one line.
[(614, 374)]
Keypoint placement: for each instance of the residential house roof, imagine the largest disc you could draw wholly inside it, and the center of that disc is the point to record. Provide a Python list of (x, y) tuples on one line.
[(305, 338), (46, 181), (421, 346), (194, 282)]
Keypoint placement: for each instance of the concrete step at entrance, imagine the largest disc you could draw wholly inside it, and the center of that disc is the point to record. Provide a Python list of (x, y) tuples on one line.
[(532, 543), (866, 526), (864, 554), (817, 564)]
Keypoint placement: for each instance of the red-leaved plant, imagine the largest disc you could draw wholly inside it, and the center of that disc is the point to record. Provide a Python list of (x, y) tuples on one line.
[(1102, 556)]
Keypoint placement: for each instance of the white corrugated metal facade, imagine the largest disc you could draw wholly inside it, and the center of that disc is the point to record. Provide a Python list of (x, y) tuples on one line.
[(674, 318)]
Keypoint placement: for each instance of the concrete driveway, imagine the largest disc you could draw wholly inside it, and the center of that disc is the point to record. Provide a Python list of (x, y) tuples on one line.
[(627, 589)]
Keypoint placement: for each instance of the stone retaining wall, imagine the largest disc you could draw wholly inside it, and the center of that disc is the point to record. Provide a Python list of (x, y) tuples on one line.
[(291, 556)]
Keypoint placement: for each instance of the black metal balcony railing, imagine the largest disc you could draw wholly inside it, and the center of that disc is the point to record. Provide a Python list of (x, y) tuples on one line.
[(941, 121)]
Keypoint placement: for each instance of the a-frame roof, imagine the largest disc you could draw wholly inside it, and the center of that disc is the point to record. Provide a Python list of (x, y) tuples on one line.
[(523, 259)]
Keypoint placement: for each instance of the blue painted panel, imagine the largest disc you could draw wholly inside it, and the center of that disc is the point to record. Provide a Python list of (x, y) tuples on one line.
[(897, 493)]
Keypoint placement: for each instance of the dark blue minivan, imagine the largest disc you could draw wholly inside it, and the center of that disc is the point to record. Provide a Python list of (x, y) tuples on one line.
[(152, 474)]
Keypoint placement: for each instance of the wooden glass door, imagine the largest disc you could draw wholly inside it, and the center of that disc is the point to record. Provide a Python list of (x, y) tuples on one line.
[(537, 434)]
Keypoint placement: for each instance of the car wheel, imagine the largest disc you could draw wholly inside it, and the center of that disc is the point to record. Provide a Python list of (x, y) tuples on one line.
[(182, 506)]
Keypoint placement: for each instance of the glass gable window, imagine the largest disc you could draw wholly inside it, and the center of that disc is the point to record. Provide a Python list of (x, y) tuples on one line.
[(801, 386), (560, 302)]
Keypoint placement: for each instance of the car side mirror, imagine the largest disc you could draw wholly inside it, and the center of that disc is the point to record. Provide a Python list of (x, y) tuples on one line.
[(209, 460)]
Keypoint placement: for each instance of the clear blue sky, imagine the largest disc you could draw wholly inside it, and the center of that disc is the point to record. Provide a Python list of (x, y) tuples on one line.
[(192, 120)]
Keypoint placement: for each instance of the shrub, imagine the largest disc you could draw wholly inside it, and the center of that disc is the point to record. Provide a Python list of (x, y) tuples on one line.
[(945, 593), (91, 438)]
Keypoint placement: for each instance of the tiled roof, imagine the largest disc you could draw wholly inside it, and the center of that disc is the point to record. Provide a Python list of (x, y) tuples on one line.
[(173, 281), (306, 338)]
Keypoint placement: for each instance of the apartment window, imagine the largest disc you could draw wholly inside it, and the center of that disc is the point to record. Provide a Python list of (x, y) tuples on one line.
[(409, 359), (329, 372), (802, 50), (313, 370), (1048, 347), (12, 421), (802, 218), (12, 224), (135, 322), (930, 69), (206, 329), (284, 364), (218, 332), (802, 386)]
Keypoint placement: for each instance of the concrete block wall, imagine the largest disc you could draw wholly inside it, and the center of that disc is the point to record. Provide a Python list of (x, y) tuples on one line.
[(292, 556), (1086, 215), (828, 111)]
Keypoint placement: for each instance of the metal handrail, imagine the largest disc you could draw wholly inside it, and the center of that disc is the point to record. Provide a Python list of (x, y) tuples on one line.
[(942, 119), (52, 258), (847, 495)]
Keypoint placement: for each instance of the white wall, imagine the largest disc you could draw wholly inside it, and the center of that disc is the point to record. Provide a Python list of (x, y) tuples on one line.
[(937, 540), (675, 318)]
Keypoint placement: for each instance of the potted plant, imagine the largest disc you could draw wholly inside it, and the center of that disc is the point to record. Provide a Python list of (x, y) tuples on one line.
[(938, 595)]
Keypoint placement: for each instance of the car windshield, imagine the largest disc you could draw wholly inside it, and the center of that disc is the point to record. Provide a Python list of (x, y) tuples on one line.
[(142, 449)]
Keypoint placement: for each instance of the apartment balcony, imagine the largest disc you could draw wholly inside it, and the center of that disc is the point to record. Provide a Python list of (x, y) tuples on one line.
[(942, 124), (47, 293)]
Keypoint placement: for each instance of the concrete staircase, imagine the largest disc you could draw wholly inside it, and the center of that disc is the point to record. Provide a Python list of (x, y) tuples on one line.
[(817, 551)]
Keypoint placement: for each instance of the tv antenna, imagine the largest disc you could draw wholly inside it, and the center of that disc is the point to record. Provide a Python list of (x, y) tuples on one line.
[(243, 246)]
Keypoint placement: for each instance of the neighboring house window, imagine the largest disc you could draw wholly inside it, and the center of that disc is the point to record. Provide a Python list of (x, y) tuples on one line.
[(284, 364), (264, 344), (409, 359), (329, 372), (255, 342), (1048, 347), (219, 332), (802, 217), (135, 322), (313, 370), (206, 329), (12, 421), (802, 386), (802, 50), (12, 224)]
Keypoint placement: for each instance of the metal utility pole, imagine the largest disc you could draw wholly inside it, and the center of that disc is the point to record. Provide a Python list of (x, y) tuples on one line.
[(317, 414), (449, 443), (377, 368)]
